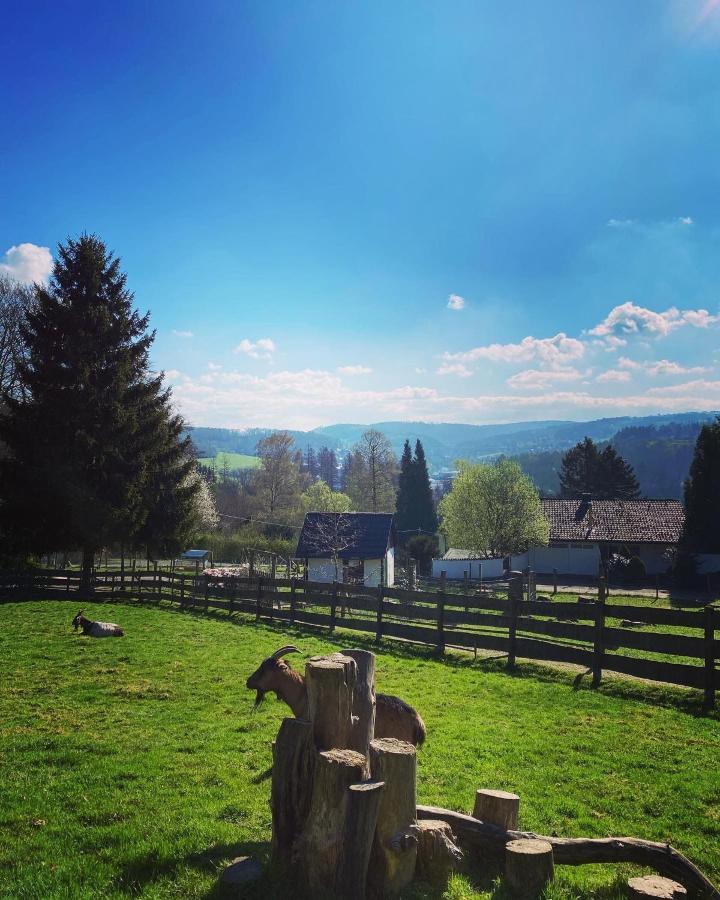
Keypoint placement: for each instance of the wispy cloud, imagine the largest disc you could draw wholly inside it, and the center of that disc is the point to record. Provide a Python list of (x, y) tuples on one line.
[(661, 367), (214, 367), (459, 369), (537, 379), (27, 263), (455, 301), (260, 349), (555, 351), (617, 375), (182, 334), (354, 370)]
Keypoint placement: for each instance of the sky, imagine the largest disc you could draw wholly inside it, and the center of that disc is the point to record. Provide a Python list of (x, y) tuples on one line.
[(355, 212)]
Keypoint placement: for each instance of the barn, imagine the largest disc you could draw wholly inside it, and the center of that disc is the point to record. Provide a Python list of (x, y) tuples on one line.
[(353, 548)]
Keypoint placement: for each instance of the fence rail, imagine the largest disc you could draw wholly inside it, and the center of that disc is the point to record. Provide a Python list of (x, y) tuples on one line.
[(591, 634)]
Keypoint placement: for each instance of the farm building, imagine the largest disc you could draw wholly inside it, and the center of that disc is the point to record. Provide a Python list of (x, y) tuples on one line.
[(583, 532), (362, 543)]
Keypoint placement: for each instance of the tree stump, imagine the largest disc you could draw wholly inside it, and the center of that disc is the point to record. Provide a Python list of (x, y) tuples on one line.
[(437, 853), (655, 886), (362, 809), (528, 867), (321, 845), (292, 784), (497, 808), (330, 682), (363, 702), (394, 852)]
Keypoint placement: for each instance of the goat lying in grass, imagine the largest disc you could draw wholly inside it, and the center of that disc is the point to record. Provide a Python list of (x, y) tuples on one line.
[(393, 717), (96, 629)]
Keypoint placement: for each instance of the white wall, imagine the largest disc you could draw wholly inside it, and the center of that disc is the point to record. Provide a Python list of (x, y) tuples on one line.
[(390, 567), (456, 568), (568, 560), (324, 570), (656, 563)]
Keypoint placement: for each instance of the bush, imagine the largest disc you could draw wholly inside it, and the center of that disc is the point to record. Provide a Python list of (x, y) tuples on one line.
[(422, 547), (635, 569)]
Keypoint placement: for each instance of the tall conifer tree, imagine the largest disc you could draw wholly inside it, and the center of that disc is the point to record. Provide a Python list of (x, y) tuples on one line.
[(95, 453), (605, 475), (403, 503), (424, 507), (702, 493)]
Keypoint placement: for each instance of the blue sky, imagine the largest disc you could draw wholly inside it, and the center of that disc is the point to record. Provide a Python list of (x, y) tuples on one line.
[(455, 211)]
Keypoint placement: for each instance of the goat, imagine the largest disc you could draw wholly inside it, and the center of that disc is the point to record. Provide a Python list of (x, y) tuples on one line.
[(393, 717), (96, 629)]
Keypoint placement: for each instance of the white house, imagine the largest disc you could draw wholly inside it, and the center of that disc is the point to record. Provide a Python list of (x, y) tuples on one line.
[(362, 543), (583, 533)]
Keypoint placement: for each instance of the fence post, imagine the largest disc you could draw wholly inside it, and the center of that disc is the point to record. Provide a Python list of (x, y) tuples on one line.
[(709, 698), (515, 594), (333, 607), (598, 642), (112, 587), (251, 563), (554, 581), (292, 601), (379, 623), (182, 591), (258, 605), (440, 649), (207, 591)]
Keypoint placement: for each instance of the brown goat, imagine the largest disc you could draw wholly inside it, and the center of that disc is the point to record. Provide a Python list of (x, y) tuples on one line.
[(393, 717)]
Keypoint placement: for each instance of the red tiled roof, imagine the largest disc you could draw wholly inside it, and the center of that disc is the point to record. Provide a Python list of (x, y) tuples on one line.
[(616, 521)]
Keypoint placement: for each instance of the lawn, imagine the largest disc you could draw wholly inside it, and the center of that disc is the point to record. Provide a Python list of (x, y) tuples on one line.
[(233, 460), (134, 767)]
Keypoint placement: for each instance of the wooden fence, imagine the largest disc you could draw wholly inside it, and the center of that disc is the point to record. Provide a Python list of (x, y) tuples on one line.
[(678, 647)]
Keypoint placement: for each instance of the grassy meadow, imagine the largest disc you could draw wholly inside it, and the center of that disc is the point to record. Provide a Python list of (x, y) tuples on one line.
[(233, 460), (135, 767)]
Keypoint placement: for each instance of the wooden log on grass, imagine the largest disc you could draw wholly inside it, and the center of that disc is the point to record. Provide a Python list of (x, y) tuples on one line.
[(529, 867), (321, 847), (394, 852), (437, 853), (330, 682), (655, 886), (490, 840), (363, 700), (363, 802), (497, 807), (292, 784)]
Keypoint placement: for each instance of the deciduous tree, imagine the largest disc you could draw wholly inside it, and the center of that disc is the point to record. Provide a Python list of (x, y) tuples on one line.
[(278, 481), (493, 510), (320, 498), (371, 476)]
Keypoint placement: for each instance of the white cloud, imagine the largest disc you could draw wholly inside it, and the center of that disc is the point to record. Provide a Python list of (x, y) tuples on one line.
[(631, 319), (354, 370), (182, 334), (173, 374), (459, 369), (537, 379), (661, 367), (555, 351), (27, 263), (260, 349), (214, 367), (685, 220), (614, 375), (455, 301), (620, 223)]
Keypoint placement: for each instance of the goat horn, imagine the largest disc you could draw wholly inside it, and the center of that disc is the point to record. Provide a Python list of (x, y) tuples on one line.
[(283, 650)]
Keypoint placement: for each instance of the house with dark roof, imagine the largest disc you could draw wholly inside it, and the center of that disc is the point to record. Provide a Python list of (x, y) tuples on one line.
[(584, 532), (354, 548)]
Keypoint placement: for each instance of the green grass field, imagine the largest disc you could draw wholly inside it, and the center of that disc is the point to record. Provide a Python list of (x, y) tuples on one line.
[(134, 767), (233, 460)]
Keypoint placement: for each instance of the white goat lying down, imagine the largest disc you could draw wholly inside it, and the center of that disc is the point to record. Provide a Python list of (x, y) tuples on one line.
[(96, 629)]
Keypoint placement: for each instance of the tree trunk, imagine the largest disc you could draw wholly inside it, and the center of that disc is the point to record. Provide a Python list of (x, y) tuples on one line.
[(528, 867), (363, 701), (497, 807), (292, 784), (362, 810), (330, 682), (394, 852), (655, 886), (88, 559), (437, 853), (320, 849)]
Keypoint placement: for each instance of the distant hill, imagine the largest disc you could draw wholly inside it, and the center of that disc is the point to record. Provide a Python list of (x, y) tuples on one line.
[(444, 443)]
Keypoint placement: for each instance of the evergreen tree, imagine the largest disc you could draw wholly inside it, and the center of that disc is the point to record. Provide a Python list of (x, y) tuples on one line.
[(90, 433), (605, 475), (327, 467), (702, 493), (423, 506), (403, 504)]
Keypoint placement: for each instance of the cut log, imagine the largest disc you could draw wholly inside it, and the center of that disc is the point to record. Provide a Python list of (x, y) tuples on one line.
[(362, 808), (394, 852), (330, 682), (363, 703), (528, 867), (490, 840), (437, 853), (655, 886), (497, 807), (292, 784), (319, 850)]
